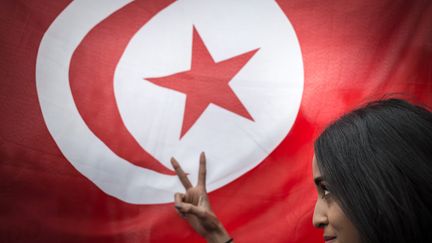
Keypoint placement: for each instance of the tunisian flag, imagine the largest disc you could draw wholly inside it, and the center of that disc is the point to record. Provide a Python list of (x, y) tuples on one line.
[(96, 96)]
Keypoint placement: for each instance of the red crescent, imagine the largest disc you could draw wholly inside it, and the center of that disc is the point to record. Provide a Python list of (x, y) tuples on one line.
[(91, 76)]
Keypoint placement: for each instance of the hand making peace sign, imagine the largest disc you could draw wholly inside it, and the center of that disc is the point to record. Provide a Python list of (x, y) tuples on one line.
[(194, 206)]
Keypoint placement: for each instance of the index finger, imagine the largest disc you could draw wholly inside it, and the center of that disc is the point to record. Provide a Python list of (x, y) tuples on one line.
[(202, 170), (180, 173)]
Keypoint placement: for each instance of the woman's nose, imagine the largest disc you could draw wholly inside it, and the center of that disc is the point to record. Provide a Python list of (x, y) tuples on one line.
[(320, 219)]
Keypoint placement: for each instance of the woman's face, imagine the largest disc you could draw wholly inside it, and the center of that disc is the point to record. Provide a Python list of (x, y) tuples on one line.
[(329, 216)]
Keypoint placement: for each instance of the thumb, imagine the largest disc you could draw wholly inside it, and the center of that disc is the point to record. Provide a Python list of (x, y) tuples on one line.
[(188, 208)]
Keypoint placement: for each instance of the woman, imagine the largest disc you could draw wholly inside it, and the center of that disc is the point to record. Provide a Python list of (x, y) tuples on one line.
[(373, 173)]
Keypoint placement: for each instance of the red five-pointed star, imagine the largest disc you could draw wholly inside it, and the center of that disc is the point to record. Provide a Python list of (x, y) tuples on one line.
[(206, 82)]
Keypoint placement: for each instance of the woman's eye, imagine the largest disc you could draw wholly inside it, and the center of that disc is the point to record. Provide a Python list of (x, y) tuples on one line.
[(324, 191)]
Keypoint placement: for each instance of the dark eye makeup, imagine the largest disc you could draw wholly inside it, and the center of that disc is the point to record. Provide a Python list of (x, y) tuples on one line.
[(322, 187), (324, 190)]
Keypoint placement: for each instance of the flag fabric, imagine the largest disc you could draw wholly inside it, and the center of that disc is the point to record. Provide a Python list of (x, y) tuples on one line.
[(97, 95)]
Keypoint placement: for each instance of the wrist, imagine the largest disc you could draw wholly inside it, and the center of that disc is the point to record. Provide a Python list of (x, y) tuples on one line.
[(218, 236)]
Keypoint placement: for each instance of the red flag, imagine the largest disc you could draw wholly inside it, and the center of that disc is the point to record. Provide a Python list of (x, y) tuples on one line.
[(94, 175)]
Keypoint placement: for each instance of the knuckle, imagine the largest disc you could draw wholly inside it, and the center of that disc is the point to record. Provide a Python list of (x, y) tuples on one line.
[(187, 208)]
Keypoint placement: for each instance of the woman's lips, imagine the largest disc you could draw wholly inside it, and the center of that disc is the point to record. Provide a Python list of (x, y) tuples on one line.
[(329, 239)]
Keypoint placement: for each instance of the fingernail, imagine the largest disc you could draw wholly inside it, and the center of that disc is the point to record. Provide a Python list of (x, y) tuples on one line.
[(174, 162)]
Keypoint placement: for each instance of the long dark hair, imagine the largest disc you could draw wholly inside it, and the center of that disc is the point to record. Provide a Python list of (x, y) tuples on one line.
[(377, 161)]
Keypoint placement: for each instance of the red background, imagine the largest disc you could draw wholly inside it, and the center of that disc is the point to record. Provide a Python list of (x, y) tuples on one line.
[(353, 51)]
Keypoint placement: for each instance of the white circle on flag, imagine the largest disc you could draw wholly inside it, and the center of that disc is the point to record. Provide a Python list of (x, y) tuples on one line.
[(270, 86)]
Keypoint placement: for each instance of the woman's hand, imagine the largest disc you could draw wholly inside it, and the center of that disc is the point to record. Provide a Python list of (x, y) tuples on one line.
[(194, 205)]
